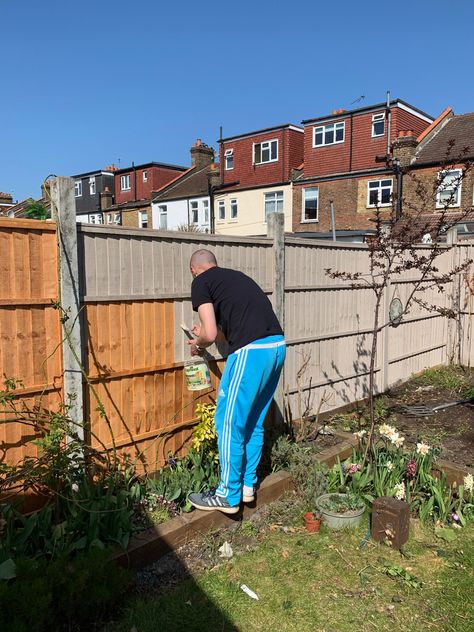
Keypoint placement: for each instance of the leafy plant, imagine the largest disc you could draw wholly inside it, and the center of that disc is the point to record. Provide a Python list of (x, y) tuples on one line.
[(397, 572), (341, 503), (205, 435)]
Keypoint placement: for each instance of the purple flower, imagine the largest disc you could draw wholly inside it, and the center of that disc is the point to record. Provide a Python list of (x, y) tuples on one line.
[(353, 468), (172, 462), (455, 517), (411, 468)]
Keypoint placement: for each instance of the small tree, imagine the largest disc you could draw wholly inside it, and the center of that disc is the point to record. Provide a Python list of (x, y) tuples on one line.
[(36, 210), (397, 248)]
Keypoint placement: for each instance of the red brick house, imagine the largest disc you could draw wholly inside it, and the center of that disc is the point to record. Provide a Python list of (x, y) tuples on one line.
[(344, 163), (256, 170)]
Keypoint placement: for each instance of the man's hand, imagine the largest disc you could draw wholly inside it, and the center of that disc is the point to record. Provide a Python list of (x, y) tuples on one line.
[(195, 350), (196, 330)]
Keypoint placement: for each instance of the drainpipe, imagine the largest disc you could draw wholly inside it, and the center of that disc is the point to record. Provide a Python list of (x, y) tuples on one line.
[(350, 143), (134, 182), (221, 155), (389, 121)]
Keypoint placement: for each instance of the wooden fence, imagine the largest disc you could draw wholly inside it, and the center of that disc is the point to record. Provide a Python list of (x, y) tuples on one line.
[(134, 288)]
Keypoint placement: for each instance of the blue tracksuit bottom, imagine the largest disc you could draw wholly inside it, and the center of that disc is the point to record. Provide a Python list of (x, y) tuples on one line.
[(246, 390)]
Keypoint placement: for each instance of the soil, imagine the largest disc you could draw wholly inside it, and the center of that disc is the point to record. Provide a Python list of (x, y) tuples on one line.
[(451, 429), (201, 554)]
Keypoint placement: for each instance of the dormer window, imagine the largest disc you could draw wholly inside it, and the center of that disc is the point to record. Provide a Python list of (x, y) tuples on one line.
[(125, 182), (229, 159), (145, 176), (78, 188), (266, 151), (330, 134), (378, 125)]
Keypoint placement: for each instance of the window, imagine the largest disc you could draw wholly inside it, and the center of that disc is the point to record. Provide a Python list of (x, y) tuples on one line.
[(233, 209), (143, 219), (273, 203), (163, 213), (221, 209), (125, 182), (265, 152), (145, 176), (78, 188), (205, 206), (96, 218), (92, 185), (310, 204), (449, 189), (229, 159), (109, 218), (378, 124), (328, 134), (194, 212), (117, 218), (379, 193)]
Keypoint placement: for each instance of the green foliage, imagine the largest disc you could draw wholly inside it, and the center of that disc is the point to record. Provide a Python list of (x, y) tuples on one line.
[(196, 472), (397, 572), (35, 210), (341, 503), (66, 593), (407, 475), (205, 435), (451, 378), (308, 474)]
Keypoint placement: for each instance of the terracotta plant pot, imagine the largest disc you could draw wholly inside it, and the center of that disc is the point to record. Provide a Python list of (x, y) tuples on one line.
[(312, 523)]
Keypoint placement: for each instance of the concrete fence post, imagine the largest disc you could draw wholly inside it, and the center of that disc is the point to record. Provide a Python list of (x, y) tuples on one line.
[(453, 344), (276, 231), (63, 210)]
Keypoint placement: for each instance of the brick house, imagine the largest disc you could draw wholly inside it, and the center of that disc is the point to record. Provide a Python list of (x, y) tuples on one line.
[(256, 170), (345, 162), (437, 179), (6, 203), (133, 190), (185, 202)]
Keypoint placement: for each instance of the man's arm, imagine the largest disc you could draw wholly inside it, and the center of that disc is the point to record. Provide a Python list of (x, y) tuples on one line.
[(208, 327)]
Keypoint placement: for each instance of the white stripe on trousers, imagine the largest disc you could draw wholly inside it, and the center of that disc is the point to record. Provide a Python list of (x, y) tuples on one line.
[(227, 430)]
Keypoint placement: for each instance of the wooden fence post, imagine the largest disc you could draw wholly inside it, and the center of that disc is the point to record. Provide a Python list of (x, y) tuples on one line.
[(276, 231), (64, 212)]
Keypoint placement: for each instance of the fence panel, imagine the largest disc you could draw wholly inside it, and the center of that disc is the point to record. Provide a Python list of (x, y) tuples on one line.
[(30, 332)]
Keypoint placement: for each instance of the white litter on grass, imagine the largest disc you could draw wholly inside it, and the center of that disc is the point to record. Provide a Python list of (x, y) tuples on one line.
[(226, 551), (249, 592)]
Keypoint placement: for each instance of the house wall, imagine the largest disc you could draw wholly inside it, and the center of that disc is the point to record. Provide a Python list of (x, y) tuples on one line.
[(340, 157), (251, 211), (157, 177), (290, 155), (179, 213), (419, 190), (87, 203)]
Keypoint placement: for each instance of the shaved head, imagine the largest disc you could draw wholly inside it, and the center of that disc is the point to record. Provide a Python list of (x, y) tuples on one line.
[(202, 260)]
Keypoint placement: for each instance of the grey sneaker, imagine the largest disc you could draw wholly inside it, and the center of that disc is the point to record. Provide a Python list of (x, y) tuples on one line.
[(208, 501)]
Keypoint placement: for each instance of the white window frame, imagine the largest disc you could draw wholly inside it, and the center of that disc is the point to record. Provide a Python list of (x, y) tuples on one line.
[(145, 176), (278, 197), (328, 127), (117, 218), (78, 188), (305, 220), (377, 118), (265, 145), (92, 185), (142, 219), (163, 216), (229, 159), (125, 182), (109, 218), (194, 211), (456, 175), (379, 189), (96, 218), (205, 207), (221, 210), (234, 208)]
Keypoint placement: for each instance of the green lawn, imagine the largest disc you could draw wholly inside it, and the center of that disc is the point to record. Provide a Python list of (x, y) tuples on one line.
[(323, 582)]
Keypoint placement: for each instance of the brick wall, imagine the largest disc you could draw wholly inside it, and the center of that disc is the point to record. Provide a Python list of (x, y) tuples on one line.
[(290, 155), (338, 158), (419, 190), (156, 178)]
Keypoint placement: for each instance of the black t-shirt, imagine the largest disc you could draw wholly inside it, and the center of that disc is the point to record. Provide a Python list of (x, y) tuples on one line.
[(243, 311)]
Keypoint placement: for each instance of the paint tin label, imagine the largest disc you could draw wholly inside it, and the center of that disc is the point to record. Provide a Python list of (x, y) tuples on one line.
[(197, 375)]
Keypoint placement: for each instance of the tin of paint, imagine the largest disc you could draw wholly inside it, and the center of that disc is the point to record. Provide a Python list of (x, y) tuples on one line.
[(197, 374)]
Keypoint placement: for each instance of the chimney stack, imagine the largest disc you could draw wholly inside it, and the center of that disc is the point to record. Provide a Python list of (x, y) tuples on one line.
[(404, 147), (201, 154), (105, 199)]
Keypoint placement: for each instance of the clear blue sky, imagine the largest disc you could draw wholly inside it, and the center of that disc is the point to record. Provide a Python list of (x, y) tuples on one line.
[(86, 83)]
